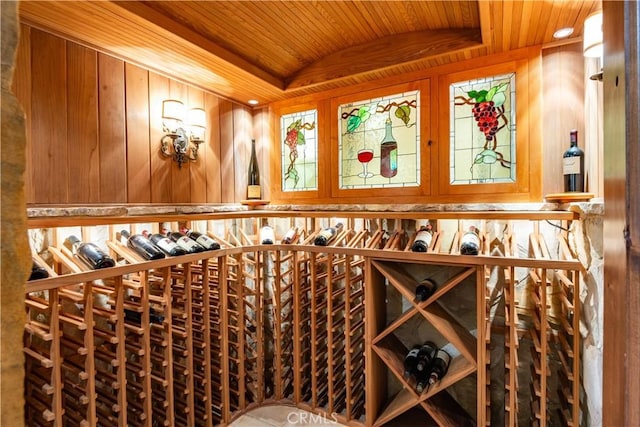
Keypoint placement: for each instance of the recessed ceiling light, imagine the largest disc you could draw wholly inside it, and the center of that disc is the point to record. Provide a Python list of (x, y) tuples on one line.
[(253, 102), (563, 32)]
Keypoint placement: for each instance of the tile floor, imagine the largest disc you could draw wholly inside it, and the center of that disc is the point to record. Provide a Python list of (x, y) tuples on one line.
[(283, 416)]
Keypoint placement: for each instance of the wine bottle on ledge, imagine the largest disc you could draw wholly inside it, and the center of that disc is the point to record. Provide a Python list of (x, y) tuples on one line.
[(207, 242), (253, 178), (89, 253), (573, 165), (163, 242), (141, 245)]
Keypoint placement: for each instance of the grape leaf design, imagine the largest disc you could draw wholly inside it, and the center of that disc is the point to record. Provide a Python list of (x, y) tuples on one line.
[(403, 112), (353, 123)]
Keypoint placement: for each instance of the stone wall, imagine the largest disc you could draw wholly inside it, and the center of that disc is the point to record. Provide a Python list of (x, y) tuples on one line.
[(14, 251)]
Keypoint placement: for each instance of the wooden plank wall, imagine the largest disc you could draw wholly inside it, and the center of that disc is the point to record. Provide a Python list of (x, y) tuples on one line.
[(94, 128), (563, 110)]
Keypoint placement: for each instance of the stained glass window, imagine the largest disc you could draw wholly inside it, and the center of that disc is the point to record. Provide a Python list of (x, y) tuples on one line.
[(483, 130), (299, 137), (379, 139)]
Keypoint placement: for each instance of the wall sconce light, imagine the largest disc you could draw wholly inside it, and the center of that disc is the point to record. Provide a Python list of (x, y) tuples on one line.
[(592, 40), (592, 36), (182, 140)]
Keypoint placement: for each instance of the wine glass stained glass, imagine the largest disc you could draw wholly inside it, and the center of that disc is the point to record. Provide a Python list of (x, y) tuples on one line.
[(364, 157)]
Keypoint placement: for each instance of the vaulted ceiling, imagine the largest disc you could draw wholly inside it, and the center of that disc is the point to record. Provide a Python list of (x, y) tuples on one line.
[(272, 50)]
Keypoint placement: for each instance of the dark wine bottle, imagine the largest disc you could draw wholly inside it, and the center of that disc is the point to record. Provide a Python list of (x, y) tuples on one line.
[(425, 289), (38, 272), (89, 253), (470, 242), (135, 317), (439, 366), (141, 245), (423, 239), (573, 165), (166, 244), (267, 235), (410, 361), (325, 236), (422, 380), (425, 356), (207, 242), (253, 178), (186, 243), (291, 236)]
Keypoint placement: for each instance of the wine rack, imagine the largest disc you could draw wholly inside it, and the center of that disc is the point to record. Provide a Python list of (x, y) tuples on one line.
[(284, 308), (443, 328), (199, 339)]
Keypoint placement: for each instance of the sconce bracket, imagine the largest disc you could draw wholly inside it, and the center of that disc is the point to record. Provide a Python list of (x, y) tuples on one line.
[(176, 144)]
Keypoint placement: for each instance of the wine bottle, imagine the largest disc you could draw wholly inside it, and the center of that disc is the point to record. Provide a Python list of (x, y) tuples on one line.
[(439, 366), (38, 272), (422, 380), (89, 253), (384, 239), (133, 316), (267, 235), (186, 243), (410, 361), (166, 244), (141, 245), (388, 153), (423, 239), (291, 236), (207, 242), (425, 356), (470, 242), (326, 235), (573, 165), (253, 179), (425, 289)]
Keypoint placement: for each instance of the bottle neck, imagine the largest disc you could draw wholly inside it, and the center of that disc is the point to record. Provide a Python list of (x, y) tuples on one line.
[(388, 133)]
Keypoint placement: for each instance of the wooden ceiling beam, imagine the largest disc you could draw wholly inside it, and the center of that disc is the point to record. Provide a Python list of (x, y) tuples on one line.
[(385, 53)]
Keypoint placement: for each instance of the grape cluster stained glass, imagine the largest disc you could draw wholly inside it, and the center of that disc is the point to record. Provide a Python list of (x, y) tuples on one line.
[(483, 130), (299, 151), (379, 142)]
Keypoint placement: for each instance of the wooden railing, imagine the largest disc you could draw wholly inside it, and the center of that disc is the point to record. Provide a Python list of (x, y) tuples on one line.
[(199, 339)]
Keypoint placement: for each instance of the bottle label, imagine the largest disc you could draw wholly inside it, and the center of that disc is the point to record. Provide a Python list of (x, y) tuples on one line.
[(205, 241), (571, 165), (186, 243), (425, 237), (470, 238), (253, 192), (291, 234), (165, 244)]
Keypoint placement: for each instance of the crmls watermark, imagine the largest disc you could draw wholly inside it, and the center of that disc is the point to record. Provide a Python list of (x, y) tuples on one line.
[(307, 418)]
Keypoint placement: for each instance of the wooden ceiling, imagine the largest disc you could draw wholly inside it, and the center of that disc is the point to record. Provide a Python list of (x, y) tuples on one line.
[(272, 50)]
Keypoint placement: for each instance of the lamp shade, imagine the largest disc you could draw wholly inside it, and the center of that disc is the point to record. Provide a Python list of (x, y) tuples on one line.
[(196, 118), (592, 36), (172, 109)]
